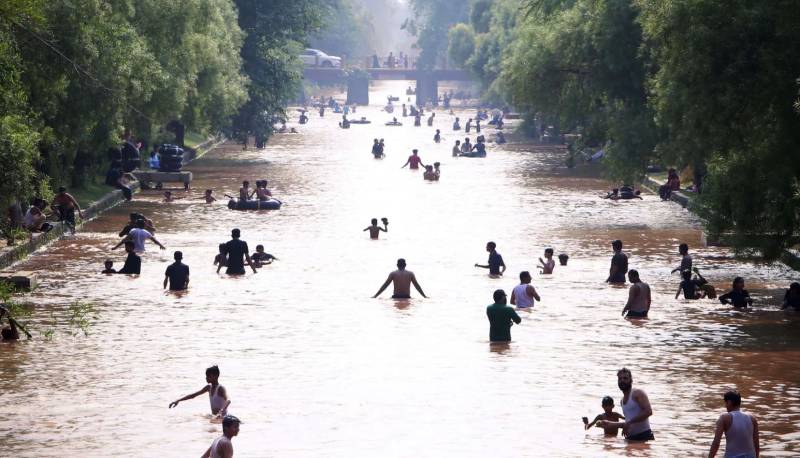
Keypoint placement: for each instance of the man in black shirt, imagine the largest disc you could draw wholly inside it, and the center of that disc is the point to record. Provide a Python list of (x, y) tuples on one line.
[(177, 274), (619, 264), (133, 263), (238, 253)]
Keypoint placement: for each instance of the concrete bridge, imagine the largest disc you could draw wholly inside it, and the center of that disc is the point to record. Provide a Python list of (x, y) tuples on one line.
[(427, 81)]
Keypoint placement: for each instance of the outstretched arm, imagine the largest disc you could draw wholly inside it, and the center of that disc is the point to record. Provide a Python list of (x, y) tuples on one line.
[(122, 242), (384, 286), (189, 396), (678, 292), (404, 165), (157, 243)]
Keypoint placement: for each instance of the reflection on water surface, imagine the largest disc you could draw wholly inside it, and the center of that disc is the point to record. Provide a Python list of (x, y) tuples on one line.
[(314, 367)]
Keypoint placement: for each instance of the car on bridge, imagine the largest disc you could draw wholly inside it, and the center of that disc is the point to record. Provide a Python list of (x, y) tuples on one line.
[(316, 58)]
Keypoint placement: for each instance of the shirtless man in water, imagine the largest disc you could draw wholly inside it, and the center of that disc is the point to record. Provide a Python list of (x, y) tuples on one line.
[(402, 280), (66, 205), (375, 230)]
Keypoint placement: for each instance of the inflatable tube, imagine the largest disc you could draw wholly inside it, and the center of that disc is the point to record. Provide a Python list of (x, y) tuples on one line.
[(271, 204), (361, 121), (474, 154), (392, 123), (393, 99), (388, 108)]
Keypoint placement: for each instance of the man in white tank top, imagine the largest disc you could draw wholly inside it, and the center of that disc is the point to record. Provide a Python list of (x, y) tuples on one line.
[(222, 447), (741, 430), (636, 409), (523, 294)]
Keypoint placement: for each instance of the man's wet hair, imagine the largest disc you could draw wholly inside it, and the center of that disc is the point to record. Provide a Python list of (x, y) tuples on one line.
[(140, 222), (548, 251), (401, 261), (607, 401), (374, 221), (737, 280), (617, 244), (236, 233), (178, 255), (259, 247), (213, 370), (498, 295), (683, 247), (734, 397), (633, 273), (624, 370), (491, 245), (524, 274)]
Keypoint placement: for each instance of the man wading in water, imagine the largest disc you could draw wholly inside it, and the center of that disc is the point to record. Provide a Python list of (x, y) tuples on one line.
[(177, 274), (636, 409), (638, 304), (238, 253), (222, 447), (741, 430), (619, 264), (402, 280), (66, 205)]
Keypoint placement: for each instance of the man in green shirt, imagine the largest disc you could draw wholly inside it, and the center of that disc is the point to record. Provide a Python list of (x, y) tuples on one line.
[(501, 318)]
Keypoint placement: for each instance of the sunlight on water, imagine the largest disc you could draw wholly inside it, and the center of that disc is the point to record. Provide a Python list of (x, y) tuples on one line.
[(315, 367)]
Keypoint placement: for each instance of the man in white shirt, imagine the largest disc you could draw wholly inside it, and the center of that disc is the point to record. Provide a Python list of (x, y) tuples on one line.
[(138, 236)]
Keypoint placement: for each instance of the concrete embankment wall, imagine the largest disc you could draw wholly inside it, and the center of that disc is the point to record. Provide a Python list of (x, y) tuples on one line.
[(22, 250)]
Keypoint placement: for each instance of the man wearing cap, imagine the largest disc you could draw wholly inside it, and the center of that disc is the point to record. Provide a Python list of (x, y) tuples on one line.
[(238, 253), (222, 447), (501, 318)]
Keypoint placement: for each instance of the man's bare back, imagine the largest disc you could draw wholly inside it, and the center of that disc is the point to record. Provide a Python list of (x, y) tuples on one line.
[(402, 280)]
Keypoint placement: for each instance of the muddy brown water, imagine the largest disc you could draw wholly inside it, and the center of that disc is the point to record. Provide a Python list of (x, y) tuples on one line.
[(315, 367)]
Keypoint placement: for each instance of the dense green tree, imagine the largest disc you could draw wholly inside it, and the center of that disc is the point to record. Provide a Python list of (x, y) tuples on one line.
[(725, 91), (435, 17), (582, 67), (461, 44), (274, 34)]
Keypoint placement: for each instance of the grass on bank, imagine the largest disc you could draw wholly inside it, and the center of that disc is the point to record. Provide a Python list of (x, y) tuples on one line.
[(90, 192), (192, 139)]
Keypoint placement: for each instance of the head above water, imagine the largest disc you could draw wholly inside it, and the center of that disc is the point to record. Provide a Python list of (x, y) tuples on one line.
[(259, 248), (607, 401), (230, 426), (633, 275), (109, 263), (616, 245), (525, 276), (374, 221), (236, 233), (738, 283), (499, 296), (245, 183), (178, 255), (548, 252), (414, 152), (491, 246), (212, 373), (401, 263), (683, 248), (221, 247), (140, 222), (732, 400), (624, 379), (458, 142)]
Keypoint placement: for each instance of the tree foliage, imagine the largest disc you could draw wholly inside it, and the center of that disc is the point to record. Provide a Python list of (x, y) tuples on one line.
[(461, 44)]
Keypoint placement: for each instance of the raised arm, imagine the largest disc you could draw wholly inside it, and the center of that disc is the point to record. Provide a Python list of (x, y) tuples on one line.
[(384, 286), (122, 242)]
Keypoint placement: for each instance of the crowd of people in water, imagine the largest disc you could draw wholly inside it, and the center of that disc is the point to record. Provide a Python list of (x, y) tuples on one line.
[(740, 429)]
